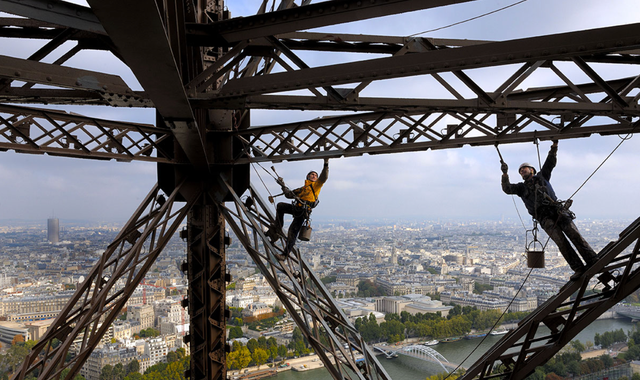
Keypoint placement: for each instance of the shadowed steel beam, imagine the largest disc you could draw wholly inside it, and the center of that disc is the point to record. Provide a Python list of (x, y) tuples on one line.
[(56, 75), (136, 28), (559, 46), (422, 105), (56, 12), (305, 17)]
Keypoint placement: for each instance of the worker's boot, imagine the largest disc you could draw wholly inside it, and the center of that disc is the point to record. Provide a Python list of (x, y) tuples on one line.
[(272, 234)]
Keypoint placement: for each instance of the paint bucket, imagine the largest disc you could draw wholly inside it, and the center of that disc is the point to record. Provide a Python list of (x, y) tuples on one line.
[(535, 259), (305, 233)]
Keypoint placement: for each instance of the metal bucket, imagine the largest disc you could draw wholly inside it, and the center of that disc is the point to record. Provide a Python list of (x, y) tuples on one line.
[(535, 259), (305, 233)]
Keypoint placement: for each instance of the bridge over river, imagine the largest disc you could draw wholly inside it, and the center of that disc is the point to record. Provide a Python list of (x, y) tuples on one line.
[(419, 351)]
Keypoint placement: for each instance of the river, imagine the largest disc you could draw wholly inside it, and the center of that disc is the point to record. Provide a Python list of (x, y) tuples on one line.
[(408, 368)]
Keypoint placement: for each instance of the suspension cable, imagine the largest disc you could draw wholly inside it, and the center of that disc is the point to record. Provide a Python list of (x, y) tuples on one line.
[(622, 139), (492, 327), (469, 19)]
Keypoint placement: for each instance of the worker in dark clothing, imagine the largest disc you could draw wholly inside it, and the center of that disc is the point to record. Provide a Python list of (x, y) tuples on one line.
[(541, 202), (305, 199)]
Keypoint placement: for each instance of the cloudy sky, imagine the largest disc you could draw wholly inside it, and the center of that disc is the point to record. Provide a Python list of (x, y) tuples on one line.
[(451, 184)]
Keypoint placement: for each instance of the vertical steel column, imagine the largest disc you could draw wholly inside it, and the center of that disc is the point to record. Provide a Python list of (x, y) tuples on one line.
[(206, 273)]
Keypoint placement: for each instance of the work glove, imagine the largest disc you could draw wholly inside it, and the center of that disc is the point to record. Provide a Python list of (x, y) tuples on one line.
[(504, 168), (287, 193), (280, 182)]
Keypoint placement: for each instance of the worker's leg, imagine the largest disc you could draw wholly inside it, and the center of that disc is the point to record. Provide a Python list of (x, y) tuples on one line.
[(275, 230), (585, 250), (294, 230), (281, 209), (555, 233)]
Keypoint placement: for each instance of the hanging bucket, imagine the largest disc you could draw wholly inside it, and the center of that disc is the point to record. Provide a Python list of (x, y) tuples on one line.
[(535, 259), (305, 233)]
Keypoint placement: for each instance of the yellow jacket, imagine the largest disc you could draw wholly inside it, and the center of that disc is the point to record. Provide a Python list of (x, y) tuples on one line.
[(310, 191)]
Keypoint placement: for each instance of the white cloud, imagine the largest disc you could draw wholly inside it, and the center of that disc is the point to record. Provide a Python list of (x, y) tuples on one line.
[(454, 183)]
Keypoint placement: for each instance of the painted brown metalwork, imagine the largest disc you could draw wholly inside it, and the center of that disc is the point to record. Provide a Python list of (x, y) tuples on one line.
[(518, 353), (325, 326), (98, 301), (204, 71)]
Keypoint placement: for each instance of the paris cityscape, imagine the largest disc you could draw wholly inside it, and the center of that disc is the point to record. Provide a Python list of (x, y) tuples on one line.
[(374, 269)]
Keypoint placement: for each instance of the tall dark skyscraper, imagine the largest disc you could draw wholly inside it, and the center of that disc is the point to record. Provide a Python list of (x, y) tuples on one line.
[(53, 230)]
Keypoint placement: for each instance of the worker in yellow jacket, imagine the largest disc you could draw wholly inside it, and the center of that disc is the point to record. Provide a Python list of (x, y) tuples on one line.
[(305, 198)]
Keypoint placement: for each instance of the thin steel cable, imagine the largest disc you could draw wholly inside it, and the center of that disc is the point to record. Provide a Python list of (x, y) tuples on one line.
[(623, 139), (493, 327), (469, 19), (513, 198)]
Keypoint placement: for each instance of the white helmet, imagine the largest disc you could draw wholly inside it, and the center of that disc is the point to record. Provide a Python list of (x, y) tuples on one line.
[(527, 165)]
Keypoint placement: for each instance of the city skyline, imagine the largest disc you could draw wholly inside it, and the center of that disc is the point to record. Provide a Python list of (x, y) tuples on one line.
[(450, 184)]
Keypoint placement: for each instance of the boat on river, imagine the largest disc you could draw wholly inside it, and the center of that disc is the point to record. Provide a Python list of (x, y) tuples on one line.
[(449, 340), (431, 343), (473, 336), (499, 332)]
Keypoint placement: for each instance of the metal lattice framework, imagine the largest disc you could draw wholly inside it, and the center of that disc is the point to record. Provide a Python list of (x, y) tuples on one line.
[(520, 351), (322, 322), (98, 301), (204, 71)]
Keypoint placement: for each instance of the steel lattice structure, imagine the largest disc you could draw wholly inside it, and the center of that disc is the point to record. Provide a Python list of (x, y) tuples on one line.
[(204, 71)]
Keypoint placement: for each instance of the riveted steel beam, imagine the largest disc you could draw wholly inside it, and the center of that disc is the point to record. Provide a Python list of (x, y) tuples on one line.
[(40, 131), (321, 320), (62, 76), (107, 287), (55, 12), (301, 18), (559, 46)]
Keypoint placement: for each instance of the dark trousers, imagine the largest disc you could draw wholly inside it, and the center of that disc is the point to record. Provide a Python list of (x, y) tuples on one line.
[(299, 216), (561, 228)]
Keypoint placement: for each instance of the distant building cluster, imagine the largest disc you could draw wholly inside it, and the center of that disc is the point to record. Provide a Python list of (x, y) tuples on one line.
[(421, 267)]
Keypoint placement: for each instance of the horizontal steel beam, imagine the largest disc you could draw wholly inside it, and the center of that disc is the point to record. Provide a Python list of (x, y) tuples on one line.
[(55, 12), (394, 132), (310, 16), (63, 76), (57, 133), (559, 46), (19, 95)]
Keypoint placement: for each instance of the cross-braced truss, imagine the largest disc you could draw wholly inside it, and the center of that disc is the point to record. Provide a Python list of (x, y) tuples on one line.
[(519, 352), (106, 289), (204, 71), (321, 320), (30, 130)]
